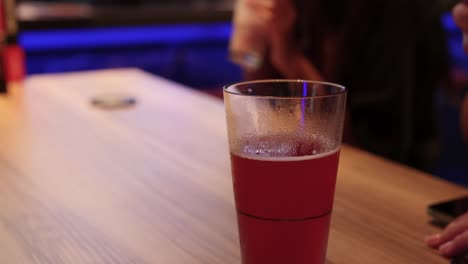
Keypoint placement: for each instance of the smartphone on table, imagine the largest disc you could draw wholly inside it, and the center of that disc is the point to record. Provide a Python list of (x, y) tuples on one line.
[(444, 212)]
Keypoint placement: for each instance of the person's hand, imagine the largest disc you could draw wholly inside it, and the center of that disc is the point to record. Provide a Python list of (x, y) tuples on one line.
[(277, 18), (460, 15), (453, 241)]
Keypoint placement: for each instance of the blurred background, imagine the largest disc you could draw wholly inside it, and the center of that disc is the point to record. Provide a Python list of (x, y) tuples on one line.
[(182, 40)]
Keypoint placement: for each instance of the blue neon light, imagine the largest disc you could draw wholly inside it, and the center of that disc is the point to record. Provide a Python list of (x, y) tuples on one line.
[(40, 40)]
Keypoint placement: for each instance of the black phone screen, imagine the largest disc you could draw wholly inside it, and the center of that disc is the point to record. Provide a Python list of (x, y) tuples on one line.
[(445, 212)]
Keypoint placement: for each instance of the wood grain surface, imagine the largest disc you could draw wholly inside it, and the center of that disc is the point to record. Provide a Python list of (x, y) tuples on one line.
[(151, 183)]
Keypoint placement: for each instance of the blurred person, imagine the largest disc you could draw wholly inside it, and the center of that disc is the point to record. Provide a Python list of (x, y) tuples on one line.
[(453, 241), (464, 119), (460, 13), (390, 54), (452, 108)]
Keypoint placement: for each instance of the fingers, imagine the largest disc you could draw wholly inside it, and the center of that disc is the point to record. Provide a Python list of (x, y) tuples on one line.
[(260, 5), (455, 228), (284, 15), (260, 12), (433, 240), (453, 240), (455, 247), (277, 15), (265, 3), (460, 15)]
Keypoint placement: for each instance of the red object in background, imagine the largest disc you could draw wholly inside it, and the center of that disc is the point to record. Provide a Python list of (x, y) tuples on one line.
[(3, 86), (2, 21), (14, 63), (13, 58)]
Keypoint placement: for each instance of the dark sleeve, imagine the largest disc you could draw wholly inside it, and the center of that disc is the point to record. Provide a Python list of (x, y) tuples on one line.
[(384, 86)]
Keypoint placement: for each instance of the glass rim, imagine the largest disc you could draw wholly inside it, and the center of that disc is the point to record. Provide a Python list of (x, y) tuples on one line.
[(343, 88)]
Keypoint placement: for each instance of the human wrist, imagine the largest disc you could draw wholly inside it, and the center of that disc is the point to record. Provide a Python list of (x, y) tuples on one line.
[(283, 51), (286, 64), (298, 66), (291, 67)]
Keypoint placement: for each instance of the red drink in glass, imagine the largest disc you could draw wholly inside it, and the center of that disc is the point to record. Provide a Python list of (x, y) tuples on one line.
[(284, 203), (284, 141)]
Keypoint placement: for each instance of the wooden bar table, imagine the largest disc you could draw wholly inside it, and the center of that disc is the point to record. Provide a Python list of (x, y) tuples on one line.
[(151, 183)]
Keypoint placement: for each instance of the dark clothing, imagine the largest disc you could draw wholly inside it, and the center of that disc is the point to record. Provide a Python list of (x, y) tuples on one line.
[(393, 80), (453, 161), (391, 56)]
